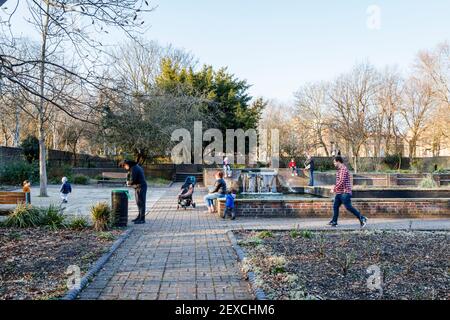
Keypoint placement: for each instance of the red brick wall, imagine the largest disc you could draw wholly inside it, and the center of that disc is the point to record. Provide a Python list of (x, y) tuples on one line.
[(387, 208)]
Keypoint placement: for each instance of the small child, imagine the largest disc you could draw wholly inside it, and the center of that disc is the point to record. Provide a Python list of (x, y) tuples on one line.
[(27, 189), (293, 167), (227, 168), (229, 205), (66, 188)]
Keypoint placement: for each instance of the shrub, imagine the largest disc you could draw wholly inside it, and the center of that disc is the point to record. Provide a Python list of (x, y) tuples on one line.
[(101, 214), (393, 161), (15, 173), (23, 216), (264, 235), (78, 223), (30, 148), (55, 173), (53, 218), (428, 183), (81, 179)]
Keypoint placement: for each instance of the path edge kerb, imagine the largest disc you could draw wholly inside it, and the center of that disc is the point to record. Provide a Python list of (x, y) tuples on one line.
[(257, 291), (72, 294)]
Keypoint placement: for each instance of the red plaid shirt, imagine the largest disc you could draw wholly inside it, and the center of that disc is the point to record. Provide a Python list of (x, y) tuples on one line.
[(343, 182)]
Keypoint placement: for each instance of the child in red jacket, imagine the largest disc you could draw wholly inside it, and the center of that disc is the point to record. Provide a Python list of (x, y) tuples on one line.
[(293, 167)]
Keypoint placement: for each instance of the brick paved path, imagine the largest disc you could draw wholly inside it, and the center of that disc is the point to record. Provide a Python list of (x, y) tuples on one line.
[(176, 255), (187, 254)]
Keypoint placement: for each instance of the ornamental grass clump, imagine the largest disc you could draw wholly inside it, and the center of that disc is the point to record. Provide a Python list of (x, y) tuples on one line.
[(78, 224), (101, 214), (23, 216), (52, 218)]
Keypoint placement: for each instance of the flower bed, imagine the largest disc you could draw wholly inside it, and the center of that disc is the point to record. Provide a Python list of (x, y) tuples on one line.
[(297, 264), (34, 260)]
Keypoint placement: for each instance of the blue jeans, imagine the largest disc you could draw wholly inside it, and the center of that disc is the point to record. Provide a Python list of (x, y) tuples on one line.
[(346, 200), (209, 199), (311, 178)]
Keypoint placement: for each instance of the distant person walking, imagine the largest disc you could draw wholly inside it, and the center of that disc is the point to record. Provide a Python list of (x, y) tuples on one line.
[(309, 166), (66, 188), (343, 191), (219, 191), (136, 179)]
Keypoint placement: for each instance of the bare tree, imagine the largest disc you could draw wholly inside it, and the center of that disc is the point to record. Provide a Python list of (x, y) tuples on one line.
[(312, 106), (385, 111), (138, 63), (434, 67), (353, 96), (67, 26), (416, 111)]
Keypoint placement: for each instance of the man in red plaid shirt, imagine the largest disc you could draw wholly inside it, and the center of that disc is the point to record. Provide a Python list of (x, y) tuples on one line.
[(343, 191)]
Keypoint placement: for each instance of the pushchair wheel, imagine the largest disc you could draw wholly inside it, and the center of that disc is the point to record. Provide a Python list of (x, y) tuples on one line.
[(193, 205)]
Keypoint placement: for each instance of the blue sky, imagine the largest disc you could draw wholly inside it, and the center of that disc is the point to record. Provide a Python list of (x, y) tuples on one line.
[(280, 45)]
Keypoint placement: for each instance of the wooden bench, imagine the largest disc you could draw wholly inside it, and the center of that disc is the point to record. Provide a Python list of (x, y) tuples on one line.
[(12, 197), (115, 178)]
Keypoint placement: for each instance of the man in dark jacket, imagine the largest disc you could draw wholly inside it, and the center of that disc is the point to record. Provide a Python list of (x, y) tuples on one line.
[(309, 165), (136, 179)]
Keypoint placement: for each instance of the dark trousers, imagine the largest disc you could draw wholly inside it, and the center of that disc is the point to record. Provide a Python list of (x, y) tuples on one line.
[(346, 200), (229, 211), (141, 198), (311, 178)]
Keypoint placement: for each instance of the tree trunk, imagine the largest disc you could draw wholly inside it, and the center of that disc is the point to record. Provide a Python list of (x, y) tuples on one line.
[(17, 128), (42, 160), (42, 148), (324, 145)]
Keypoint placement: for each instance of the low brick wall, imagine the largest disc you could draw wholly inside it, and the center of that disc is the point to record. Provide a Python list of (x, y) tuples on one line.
[(323, 208)]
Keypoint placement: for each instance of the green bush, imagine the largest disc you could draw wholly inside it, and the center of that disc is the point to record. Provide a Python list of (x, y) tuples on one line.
[(393, 161), (324, 164), (23, 216), (53, 218), (78, 223), (17, 172), (101, 216), (81, 179), (30, 149), (55, 173)]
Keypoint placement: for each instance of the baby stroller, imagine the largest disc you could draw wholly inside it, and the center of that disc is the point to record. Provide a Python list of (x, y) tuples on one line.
[(185, 199)]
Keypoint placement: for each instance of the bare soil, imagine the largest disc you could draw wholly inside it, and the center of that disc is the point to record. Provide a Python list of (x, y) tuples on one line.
[(291, 265), (33, 261)]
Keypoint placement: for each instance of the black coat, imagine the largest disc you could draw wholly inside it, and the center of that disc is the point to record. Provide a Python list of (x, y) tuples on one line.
[(136, 177)]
